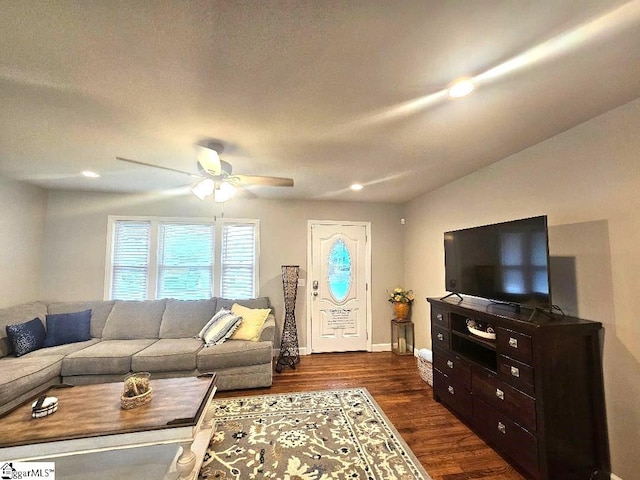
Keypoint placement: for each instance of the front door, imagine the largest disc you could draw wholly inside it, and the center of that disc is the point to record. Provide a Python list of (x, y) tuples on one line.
[(338, 279)]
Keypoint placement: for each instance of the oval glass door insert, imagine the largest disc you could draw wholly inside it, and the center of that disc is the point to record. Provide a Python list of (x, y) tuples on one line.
[(340, 272)]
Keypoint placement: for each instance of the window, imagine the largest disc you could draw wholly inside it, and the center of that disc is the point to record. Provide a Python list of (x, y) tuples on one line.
[(130, 260), (238, 260), (151, 258), (185, 261)]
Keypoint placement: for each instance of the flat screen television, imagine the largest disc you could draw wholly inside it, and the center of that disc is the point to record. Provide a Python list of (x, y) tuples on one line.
[(505, 262)]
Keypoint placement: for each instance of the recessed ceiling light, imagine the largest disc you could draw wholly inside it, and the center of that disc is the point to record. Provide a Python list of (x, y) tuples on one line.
[(356, 187), (90, 174), (461, 88)]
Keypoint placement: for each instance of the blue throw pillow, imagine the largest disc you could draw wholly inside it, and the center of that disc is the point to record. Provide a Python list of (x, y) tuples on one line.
[(65, 328), (26, 337)]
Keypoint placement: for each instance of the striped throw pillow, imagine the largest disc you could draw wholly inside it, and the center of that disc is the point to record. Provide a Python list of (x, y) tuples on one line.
[(223, 312), (221, 329)]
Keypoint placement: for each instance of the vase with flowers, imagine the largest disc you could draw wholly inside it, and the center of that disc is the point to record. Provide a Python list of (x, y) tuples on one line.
[(401, 300)]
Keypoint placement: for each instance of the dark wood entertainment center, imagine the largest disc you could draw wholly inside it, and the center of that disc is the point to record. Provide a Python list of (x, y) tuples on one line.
[(535, 393)]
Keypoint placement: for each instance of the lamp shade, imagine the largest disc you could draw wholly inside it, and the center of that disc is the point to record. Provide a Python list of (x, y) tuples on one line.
[(204, 188), (224, 192)]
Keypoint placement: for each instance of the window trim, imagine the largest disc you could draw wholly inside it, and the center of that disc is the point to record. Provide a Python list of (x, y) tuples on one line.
[(218, 223)]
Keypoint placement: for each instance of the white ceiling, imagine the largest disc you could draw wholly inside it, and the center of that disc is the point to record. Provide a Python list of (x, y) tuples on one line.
[(325, 92)]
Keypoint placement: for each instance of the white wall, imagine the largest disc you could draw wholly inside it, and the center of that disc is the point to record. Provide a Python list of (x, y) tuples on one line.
[(22, 214), (587, 180), (76, 233)]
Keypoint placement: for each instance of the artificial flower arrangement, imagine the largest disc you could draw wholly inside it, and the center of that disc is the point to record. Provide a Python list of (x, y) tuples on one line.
[(400, 295)]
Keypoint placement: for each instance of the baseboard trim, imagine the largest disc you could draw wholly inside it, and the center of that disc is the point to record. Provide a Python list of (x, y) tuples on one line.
[(381, 347), (615, 477), (378, 347)]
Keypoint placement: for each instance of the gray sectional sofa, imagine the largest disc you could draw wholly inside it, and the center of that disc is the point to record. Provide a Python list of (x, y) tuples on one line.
[(154, 336)]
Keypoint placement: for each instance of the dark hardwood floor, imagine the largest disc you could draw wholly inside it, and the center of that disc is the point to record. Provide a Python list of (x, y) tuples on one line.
[(447, 449)]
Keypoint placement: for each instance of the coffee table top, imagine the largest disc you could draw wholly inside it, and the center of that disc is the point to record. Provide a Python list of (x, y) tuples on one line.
[(88, 411)]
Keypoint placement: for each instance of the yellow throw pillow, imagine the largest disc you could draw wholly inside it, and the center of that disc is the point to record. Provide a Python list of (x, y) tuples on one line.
[(252, 321)]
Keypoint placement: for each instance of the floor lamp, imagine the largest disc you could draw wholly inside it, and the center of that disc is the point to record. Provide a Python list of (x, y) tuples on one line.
[(289, 351)]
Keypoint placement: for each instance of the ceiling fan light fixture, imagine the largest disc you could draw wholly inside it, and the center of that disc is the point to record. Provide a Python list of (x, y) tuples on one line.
[(224, 192), (209, 159), (204, 188)]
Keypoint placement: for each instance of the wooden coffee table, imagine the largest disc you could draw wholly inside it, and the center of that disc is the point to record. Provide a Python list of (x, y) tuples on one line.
[(89, 420)]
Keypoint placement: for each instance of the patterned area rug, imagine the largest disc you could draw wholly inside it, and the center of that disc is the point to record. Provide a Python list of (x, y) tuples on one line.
[(321, 435)]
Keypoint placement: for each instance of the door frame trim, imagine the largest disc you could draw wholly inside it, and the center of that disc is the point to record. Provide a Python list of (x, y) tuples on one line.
[(367, 274)]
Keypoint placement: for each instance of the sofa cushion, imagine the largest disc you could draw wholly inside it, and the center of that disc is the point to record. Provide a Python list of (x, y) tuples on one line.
[(130, 320), (166, 355), (260, 302), (234, 353), (185, 318), (252, 321), (108, 356), (63, 328), (18, 314), (20, 375), (66, 349), (26, 337), (99, 312)]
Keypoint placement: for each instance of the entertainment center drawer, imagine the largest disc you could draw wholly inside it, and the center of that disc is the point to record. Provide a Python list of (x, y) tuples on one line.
[(440, 318), (440, 337), (453, 366), (517, 374), (452, 394), (514, 404), (516, 442), (515, 345)]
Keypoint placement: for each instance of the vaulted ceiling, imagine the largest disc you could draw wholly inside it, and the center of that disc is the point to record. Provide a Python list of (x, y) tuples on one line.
[(327, 93)]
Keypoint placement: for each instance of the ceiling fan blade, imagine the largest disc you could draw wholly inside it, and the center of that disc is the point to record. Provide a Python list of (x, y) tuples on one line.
[(264, 181), (195, 175)]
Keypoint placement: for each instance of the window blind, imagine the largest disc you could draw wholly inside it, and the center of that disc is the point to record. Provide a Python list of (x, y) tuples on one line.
[(173, 258), (238, 260), (185, 261), (130, 260)]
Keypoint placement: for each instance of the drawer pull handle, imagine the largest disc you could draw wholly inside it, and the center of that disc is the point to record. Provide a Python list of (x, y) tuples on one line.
[(515, 372), (502, 428), (439, 317), (449, 364), (451, 390), (499, 394), (513, 342), (440, 337)]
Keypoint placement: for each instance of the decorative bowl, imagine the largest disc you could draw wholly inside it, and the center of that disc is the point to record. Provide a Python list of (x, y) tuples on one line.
[(482, 334), (137, 390), (127, 403), (47, 406)]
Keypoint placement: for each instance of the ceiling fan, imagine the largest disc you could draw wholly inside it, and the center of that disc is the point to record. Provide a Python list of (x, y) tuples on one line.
[(216, 177)]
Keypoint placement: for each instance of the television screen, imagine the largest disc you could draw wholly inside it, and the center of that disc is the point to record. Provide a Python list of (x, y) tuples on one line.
[(506, 262)]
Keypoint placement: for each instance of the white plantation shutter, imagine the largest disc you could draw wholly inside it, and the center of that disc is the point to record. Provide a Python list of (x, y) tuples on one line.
[(185, 261), (153, 258), (130, 260), (239, 258)]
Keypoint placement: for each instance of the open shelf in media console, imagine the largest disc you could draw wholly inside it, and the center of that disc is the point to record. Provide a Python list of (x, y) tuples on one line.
[(490, 344), (475, 349)]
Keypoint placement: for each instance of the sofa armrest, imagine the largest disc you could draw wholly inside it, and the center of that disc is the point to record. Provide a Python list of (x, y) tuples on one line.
[(268, 330)]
